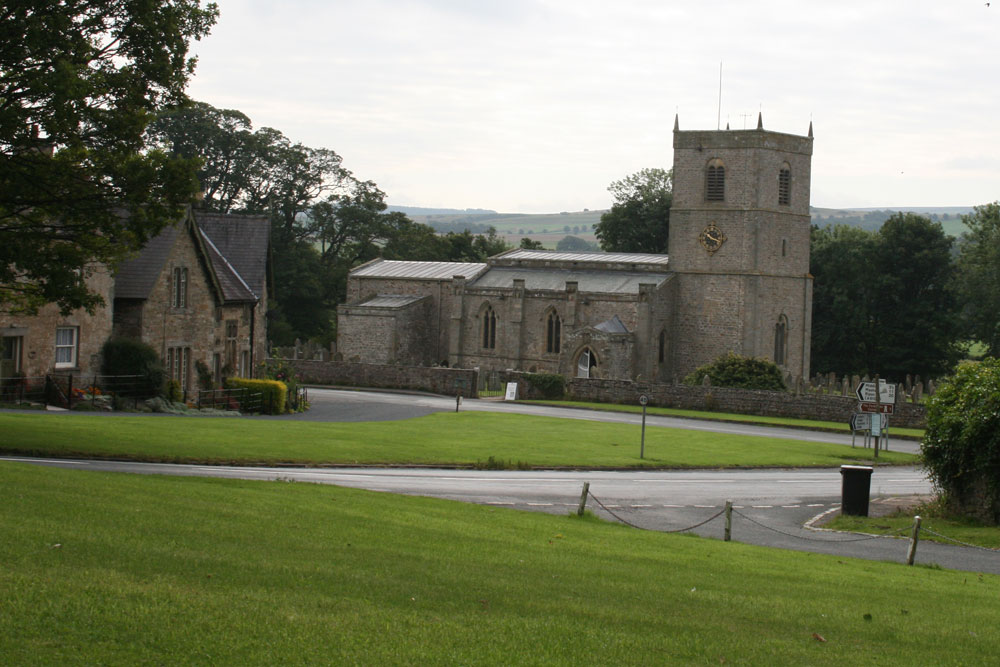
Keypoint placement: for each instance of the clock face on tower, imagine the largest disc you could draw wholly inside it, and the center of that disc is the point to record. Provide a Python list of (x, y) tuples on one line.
[(712, 238)]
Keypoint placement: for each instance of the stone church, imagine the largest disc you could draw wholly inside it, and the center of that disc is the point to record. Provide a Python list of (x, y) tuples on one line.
[(736, 280)]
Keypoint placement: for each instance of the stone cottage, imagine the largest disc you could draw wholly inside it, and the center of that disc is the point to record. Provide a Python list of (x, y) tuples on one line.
[(197, 291)]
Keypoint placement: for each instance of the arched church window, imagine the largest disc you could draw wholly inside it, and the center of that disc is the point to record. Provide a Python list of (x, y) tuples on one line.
[(553, 334), (715, 180), (586, 363), (785, 185), (662, 356), (489, 327), (780, 340)]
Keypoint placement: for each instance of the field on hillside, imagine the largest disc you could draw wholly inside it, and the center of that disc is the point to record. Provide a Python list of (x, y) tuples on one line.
[(101, 568)]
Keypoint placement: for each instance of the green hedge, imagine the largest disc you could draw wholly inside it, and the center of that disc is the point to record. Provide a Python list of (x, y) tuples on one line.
[(549, 385), (274, 393)]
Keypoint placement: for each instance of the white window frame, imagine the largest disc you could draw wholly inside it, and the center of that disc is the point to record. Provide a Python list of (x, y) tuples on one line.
[(73, 347)]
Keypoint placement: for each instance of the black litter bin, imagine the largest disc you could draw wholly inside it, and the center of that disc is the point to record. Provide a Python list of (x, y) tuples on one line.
[(856, 483)]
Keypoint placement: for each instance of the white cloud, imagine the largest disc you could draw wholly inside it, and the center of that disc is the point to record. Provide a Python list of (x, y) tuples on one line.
[(536, 105)]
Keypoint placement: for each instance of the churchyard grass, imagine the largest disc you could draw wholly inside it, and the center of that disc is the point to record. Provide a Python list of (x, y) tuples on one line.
[(909, 433), (448, 439), (102, 568)]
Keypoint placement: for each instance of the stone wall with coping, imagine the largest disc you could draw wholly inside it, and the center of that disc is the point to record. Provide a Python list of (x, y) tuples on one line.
[(445, 381), (451, 381)]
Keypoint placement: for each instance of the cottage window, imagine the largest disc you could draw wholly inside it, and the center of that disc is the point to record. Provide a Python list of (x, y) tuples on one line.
[(67, 346), (715, 181), (553, 337), (489, 329), (231, 330), (785, 185), (178, 363), (178, 290)]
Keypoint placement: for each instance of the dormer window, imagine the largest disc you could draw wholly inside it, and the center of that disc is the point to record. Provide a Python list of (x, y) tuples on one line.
[(715, 181)]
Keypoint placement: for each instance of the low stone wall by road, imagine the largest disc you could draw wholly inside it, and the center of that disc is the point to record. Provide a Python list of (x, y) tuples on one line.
[(445, 381), (452, 381)]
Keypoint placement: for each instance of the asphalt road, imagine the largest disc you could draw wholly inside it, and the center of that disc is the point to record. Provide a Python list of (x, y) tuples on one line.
[(771, 507)]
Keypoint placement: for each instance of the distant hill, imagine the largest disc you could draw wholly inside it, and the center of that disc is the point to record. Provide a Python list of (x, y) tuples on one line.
[(550, 228)]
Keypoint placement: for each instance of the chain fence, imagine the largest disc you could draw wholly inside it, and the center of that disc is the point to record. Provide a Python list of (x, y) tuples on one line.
[(901, 532)]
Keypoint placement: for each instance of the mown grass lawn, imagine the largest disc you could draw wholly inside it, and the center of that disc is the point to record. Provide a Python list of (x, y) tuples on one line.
[(99, 568), (894, 432), (463, 439)]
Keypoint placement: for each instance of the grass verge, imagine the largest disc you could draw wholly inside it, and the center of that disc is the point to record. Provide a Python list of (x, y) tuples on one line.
[(459, 439), (101, 568), (932, 518), (909, 433)]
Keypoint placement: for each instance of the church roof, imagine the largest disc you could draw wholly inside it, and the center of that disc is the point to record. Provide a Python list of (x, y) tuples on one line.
[(388, 268), (588, 257), (587, 280), (390, 301), (614, 325)]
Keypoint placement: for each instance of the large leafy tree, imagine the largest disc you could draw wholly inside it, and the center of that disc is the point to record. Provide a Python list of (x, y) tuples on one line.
[(884, 302), (979, 276), (639, 218), (79, 82)]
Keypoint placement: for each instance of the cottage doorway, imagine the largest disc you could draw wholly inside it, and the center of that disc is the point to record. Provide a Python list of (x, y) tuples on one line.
[(10, 356)]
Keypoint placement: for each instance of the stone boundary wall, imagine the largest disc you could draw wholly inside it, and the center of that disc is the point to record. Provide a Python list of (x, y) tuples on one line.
[(452, 381), (445, 381), (719, 399)]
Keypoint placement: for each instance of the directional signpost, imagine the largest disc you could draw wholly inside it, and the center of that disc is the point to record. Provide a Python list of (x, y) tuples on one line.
[(872, 402)]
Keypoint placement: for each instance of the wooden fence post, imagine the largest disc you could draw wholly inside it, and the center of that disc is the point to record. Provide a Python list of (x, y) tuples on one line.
[(914, 538), (729, 520), (583, 499)]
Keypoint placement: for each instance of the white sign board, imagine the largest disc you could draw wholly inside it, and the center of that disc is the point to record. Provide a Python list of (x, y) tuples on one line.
[(886, 392), (511, 392), (864, 421)]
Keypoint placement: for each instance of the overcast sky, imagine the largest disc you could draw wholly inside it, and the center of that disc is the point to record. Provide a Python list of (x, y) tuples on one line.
[(535, 106)]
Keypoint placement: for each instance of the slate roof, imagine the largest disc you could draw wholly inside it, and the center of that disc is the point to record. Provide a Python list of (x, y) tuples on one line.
[(588, 280), (135, 278), (614, 326), (388, 268), (235, 248), (590, 257), (390, 301)]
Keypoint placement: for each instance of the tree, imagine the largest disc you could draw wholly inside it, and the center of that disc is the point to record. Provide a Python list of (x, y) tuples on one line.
[(574, 244), (79, 83), (961, 445), (979, 276), (884, 301), (531, 244), (639, 219)]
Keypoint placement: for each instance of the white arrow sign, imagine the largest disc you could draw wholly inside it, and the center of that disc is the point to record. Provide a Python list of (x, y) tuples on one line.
[(886, 392)]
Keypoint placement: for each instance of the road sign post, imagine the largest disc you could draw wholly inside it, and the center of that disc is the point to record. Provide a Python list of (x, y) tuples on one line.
[(643, 400)]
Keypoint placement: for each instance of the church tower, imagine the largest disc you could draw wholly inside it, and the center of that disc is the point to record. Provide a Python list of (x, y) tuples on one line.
[(739, 247)]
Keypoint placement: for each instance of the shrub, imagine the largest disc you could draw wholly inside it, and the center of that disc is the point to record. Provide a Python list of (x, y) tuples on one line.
[(127, 356), (739, 372), (173, 391), (961, 446), (273, 393), (205, 380), (549, 385)]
